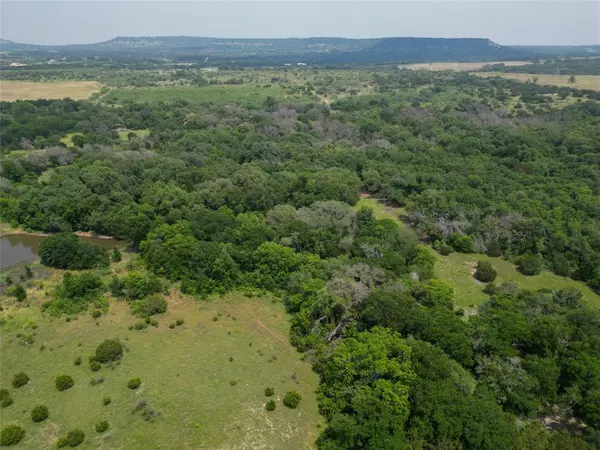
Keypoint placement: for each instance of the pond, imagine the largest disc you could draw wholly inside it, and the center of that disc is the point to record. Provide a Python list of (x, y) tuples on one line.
[(22, 247)]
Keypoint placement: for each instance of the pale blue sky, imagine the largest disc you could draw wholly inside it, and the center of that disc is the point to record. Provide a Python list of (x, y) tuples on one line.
[(566, 22)]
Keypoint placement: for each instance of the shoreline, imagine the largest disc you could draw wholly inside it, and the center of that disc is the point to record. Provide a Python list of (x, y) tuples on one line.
[(87, 234)]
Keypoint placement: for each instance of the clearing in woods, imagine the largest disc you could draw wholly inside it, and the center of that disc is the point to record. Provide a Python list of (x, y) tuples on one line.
[(205, 377), (458, 269), (33, 90), (591, 82)]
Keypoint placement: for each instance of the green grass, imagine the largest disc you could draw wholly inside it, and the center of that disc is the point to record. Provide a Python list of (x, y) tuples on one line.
[(68, 139), (248, 94), (124, 135), (380, 210), (186, 376), (458, 269)]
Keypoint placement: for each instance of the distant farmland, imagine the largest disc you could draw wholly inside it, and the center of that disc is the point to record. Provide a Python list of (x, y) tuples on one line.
[(31, 90), (459, 66), (582, 81)]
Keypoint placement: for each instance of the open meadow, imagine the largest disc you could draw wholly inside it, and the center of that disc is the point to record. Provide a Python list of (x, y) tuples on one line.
[(205, 378), (33, 90)]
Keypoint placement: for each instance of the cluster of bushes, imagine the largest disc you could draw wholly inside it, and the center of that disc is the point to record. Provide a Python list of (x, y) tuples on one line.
[(67, 251), (75, 294)]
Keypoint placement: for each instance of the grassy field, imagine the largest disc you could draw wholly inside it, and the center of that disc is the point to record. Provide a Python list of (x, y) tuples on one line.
[(205, 400), (582, 81), (30, 90), (458, 269), (220, 94), (124, 135), (459, 66)]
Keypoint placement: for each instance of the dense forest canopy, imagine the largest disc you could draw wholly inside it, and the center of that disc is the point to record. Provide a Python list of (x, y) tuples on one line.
[(219, 196)]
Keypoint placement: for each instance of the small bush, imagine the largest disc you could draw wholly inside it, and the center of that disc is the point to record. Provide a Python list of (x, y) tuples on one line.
[(109, 350), (102, 426), (77, 361), (292, 399), (154, 322), (106, 401), (155, 304), (134, 383), (530, 264), (11, 435), (179, 322), (269, 392), (116, 255), (95, 366), (39, 413), (140, 326), (270, 406), (231, 359), (233, 382), (443, 248), (20, 379), (63, 382), (96, 314), (72, 439), (5, 398), (461, 242), (19, 293), (171, 326), (485, 272), (95, 381)]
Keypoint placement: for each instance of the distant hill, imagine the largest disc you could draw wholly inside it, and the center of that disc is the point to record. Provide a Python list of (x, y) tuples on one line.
[(560, 50), (316, 50)]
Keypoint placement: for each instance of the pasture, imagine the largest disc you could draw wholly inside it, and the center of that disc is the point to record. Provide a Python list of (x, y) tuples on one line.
[(33, 90), (206, 378), (591, 82)]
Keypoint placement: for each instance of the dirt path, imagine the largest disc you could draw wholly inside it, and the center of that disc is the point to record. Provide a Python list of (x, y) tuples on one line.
[(280, 337)]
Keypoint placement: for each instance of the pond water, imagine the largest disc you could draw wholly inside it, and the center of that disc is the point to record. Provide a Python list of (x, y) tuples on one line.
[(22, 247)]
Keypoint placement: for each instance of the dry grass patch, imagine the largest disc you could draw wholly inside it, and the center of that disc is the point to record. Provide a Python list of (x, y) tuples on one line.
[(582, 81), (459, 66), (31, 90)]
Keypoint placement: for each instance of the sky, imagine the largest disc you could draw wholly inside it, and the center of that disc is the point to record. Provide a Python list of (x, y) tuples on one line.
[(513, 22)]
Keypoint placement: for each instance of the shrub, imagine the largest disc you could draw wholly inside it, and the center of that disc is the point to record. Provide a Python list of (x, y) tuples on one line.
[(171, 326), (74, 294), (560, 265), (63, 382), (116, 255), (155, 304), (134, 383), (443, 248), (135, 286), (270, 406), (292, 399), (18, 292), (5, 398), (72, 439), (39, 413), (154, 322), (95, 366), (11, 435), (140, 326), (109, 350), (485, 272), (269, 392), (102, 426), (530, 264), (95, 381), (67, 251), (233, 382), (96, 314), (461, 242), (106, 401), (77, 361), (20, 379), (179, 322)]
